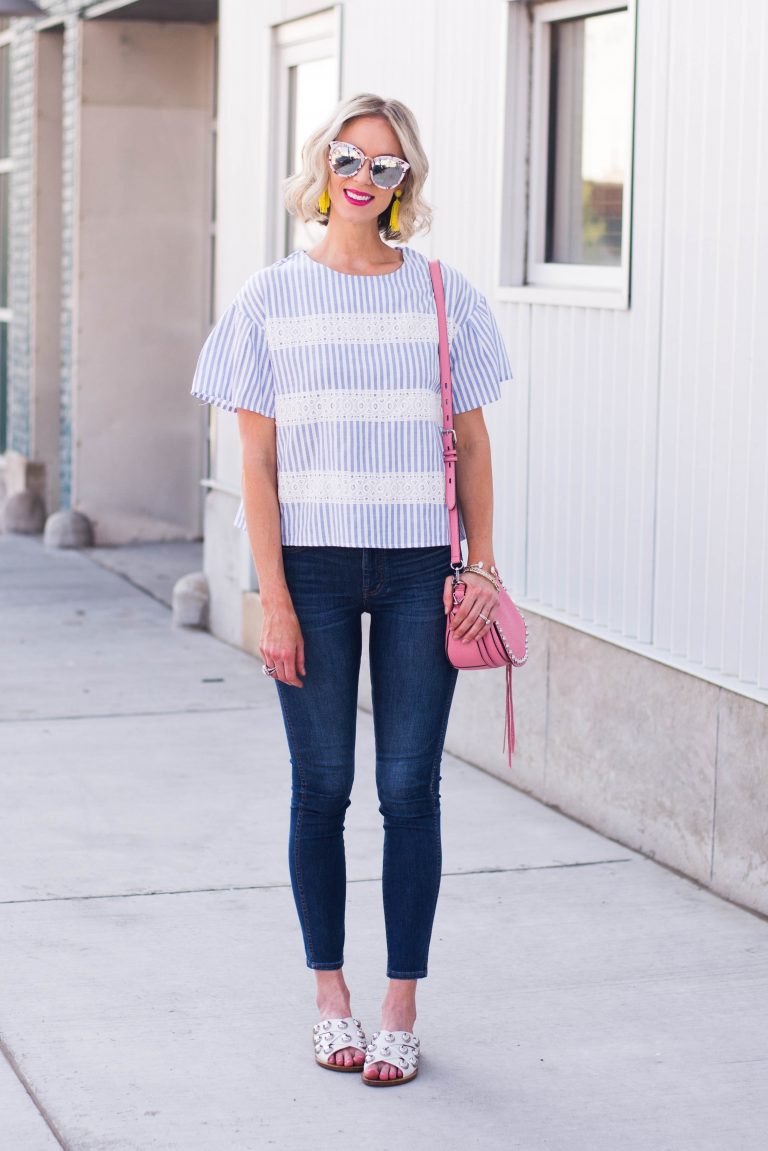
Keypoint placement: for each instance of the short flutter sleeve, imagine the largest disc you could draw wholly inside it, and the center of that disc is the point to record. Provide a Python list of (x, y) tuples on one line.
[(479, 360), (233, 369)]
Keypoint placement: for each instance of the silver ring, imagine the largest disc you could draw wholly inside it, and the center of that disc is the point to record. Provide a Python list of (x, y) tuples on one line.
[(270, 671), (485, 617)]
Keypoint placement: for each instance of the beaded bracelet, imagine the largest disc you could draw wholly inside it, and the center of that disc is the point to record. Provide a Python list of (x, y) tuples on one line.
[(479, 569)]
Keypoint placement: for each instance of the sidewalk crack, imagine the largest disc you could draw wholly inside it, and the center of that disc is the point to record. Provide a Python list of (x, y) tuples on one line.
[(218, 710), (286, 885), (33, 1096)]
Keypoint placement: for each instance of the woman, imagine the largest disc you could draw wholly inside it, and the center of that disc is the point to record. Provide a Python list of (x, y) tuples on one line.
[(330, 359)]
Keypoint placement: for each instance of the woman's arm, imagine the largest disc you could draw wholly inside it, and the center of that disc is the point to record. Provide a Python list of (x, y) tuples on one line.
[(474, 484), (474, 491), (281, 644)]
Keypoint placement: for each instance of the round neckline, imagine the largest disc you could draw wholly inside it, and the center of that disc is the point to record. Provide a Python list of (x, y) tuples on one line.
[(359, 275)]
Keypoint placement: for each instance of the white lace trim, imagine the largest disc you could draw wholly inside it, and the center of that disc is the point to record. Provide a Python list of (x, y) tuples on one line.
[(361, 487), (353, 328), (373, 405)]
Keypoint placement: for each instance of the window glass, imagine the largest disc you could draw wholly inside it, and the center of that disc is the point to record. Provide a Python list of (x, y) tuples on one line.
[(312, 95), (588, 135)]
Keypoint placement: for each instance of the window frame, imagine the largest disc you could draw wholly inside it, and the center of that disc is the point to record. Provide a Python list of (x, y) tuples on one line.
[(523, 275), (314, 36), (6, 162), (6, 313)]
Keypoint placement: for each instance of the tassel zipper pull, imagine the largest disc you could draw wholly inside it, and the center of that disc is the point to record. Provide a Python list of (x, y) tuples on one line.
[(509, 720)]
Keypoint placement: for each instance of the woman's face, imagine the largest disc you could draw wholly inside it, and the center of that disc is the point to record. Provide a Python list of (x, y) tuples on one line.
[(355, 198)]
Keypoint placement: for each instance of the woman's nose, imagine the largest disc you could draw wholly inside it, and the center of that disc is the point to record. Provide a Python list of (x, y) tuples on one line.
[(364, 175)]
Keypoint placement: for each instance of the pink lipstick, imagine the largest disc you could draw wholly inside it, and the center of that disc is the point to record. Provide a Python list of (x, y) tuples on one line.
[(359, 199)]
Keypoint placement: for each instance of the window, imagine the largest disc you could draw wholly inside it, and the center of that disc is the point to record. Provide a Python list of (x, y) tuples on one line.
[(6, 165), (306, 74), (576, 221)]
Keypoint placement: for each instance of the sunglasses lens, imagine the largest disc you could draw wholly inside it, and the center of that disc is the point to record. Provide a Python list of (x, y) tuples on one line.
[(345, 160), (387, 172)]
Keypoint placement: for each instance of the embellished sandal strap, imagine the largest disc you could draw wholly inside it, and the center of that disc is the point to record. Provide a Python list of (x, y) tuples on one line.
[(400, 1048), (332, 1035)]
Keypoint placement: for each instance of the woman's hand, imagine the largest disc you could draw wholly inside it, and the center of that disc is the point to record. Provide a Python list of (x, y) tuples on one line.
[(282, 644), (480, 598)]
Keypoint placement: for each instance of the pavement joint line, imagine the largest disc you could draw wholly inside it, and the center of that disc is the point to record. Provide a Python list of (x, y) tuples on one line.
[(36, 1102), (286, 886), (126, 714), (97, 562)]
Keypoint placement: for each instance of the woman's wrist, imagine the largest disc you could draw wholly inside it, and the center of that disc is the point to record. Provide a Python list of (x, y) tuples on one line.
[(482, 560), (480, 549), (275, 596), (483, 576)]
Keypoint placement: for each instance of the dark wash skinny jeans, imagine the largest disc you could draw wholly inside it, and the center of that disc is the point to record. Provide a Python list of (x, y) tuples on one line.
[(412, 686)]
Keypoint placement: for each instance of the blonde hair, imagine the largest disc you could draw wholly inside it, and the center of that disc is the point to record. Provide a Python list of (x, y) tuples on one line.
[(304, 188)]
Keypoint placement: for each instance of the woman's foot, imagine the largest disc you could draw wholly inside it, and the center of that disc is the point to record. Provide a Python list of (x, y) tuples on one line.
[(398, 1013), (333, 1003)]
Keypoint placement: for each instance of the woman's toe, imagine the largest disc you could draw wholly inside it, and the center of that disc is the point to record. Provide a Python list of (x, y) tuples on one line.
[(372, 1072)]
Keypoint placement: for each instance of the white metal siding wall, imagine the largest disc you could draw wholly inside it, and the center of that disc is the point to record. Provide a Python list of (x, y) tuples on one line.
[(647, 508), (712, 545), (593, 380)]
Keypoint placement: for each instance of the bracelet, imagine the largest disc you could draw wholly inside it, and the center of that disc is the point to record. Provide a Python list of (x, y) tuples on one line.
[(492, 569), (478, 569)]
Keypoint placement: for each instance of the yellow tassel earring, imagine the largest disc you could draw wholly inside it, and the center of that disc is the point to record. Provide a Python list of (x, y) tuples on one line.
[(394, 215), (324, 203)]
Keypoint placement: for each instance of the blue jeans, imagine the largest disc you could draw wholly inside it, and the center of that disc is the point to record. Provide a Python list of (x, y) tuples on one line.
[(412, 686)]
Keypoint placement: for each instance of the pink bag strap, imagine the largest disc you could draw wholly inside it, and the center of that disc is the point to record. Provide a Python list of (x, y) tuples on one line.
[(446, 397)]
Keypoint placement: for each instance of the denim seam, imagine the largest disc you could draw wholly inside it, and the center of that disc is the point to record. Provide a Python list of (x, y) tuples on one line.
[(433, 788), (391, 974), (297, 840), (380, 576), (421, 974)]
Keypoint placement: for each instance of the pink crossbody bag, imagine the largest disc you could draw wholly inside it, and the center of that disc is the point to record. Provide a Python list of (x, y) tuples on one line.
[(505, 642)]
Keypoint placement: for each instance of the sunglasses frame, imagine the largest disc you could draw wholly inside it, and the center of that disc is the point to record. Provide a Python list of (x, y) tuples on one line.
[(403, 164)]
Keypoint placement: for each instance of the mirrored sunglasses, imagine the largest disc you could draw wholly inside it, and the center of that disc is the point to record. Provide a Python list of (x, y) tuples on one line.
[(347, 160)]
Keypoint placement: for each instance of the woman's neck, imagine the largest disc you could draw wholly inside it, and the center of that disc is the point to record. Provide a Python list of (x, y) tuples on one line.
[(354, 250)]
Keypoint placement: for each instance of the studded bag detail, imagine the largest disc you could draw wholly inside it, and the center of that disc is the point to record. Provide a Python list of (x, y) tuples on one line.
[(505, 642)]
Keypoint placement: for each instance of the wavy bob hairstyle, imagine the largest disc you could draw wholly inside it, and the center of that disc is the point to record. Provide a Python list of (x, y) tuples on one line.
[(304, 188)]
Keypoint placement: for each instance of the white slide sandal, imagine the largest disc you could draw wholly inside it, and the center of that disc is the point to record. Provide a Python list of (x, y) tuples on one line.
[(398, 1048), (332, 1035)]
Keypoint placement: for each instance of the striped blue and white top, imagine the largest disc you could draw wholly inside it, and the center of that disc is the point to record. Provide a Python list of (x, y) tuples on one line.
[(347, 367)]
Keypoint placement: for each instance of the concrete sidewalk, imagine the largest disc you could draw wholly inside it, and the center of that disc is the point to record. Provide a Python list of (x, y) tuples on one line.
[(154, 993)]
